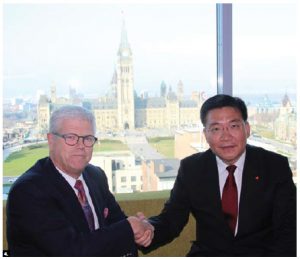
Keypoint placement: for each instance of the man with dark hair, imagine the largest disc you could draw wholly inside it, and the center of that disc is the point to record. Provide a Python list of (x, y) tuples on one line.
[(220, 101), (242, 197)]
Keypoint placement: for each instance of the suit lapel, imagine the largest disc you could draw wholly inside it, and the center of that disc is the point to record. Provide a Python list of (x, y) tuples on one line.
[(251, 189), (66, 197), (215, 200), (213, 181), (209, 180), (96, 196)]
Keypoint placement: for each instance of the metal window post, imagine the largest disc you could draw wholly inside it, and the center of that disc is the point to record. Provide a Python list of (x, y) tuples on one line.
[(224, 49)]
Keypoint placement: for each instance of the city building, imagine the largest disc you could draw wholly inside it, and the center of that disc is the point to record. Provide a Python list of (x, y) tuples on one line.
[(189, 141), (122, 170), (159, 174), (285, 126), (121, 108)]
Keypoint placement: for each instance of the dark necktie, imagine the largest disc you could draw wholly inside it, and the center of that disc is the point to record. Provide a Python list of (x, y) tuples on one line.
[(85, 205), (230, 199)]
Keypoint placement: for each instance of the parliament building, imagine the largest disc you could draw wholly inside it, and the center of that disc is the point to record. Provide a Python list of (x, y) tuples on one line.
[(121, 108)]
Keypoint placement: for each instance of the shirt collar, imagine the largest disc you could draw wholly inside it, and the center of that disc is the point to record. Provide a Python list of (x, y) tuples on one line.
[(239, 164), (69, 178)]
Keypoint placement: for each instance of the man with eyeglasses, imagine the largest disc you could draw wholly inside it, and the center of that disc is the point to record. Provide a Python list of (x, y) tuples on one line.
[(242, 197), (62, 205)]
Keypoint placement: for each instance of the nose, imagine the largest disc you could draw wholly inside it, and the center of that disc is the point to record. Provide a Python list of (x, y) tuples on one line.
[(80, 142), (226, 132)]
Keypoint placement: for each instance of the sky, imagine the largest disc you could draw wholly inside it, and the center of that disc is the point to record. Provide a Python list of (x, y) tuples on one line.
[(76, 45)]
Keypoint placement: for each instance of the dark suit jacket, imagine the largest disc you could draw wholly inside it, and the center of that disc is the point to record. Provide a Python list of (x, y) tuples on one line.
[(44, 217), (267, 209)]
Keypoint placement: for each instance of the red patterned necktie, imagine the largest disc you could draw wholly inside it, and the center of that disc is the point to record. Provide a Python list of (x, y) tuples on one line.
[(85, 205), (230, 199)]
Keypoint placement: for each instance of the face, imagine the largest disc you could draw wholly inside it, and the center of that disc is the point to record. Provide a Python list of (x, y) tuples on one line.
[(226, 133), (71, 159)]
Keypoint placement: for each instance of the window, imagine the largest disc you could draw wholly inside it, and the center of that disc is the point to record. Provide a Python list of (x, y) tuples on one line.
[(171, 71), (264, 73)]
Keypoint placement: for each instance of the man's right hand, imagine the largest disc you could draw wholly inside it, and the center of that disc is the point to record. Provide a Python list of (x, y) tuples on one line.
[(142, 229)]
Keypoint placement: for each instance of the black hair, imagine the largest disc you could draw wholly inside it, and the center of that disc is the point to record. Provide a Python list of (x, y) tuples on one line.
[(220, 101)]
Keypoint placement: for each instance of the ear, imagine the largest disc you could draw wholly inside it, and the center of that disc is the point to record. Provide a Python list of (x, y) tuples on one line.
[(205, 134), (247, 128), (49, 138)]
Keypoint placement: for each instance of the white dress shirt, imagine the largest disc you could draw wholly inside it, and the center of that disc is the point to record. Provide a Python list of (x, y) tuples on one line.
[(238, 175), (72, 182)]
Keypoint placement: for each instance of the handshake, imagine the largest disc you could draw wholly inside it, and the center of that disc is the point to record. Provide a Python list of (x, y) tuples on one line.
[(143, 231)]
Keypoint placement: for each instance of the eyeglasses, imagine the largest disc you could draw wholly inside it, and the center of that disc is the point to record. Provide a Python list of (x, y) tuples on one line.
[(72, 139), (232, 128)]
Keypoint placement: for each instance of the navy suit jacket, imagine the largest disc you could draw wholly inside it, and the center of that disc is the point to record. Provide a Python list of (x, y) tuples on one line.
[(267, 208), (44, 216)]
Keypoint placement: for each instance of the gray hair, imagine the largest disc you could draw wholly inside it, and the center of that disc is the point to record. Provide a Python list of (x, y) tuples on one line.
[(70, 111)]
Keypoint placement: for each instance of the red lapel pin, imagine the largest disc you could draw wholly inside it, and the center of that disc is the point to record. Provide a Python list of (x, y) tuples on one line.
[(105, 212)]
